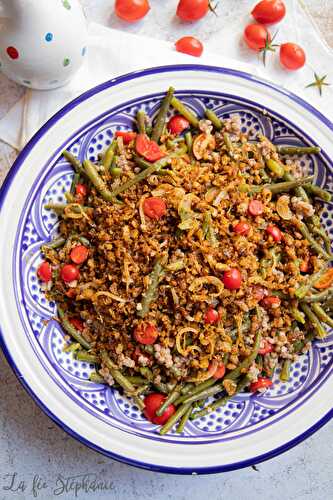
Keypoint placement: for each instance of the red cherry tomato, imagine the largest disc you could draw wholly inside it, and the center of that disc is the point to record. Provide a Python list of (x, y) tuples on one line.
[(154, 208), (292, 56), (275, 232), (189, 45), (177, 124), (69, 273), (127, 136), (271, 302), (304, 265), (255, 208), (232, 279), (262, 383), (211, 316), (152, 403), (81, 190), (150, 150), (146, 333), (192, 10), (266, 347), (44, 272), (131, 10), (79, 254), (219, 372), (77, 323), (269, 11), (258, 292), (242, 228), (255, 36)]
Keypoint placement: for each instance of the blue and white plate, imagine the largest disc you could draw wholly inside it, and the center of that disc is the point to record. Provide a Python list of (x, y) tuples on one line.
[(250, 428)]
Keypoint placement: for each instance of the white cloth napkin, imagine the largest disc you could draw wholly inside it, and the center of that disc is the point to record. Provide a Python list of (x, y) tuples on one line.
[(113, 52)]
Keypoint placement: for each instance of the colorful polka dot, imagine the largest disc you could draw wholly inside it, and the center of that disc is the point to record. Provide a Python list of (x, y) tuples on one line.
[(12, 52), (84, 51), (66, 4), (66, 61), (49, 37)]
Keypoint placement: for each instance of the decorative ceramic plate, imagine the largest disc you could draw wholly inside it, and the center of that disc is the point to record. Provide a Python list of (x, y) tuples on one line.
[(251, 427)]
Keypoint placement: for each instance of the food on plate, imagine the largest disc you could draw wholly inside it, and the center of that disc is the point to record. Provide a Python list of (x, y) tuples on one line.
[(269, 11), (189, 45), (191, 262), (292, 56)]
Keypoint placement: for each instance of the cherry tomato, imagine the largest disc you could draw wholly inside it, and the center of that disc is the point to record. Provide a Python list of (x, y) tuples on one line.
[(79, 254), (275, 232), (189, 45), (255, 208), (81, 190), (77, 323), (262, 383), (150, 150), (326, 280), (292, 56), (266, 347), (304, 265), (242, 228), (192, 10), (219, 372), (131, 10), (232, 279), (271, 302), (69, 273), (211, 316), (44, 272), (146, 333), (258, 292), (154, 208), (177, 124), (269, 11), (255, 36), (152, 403), (127, 136)]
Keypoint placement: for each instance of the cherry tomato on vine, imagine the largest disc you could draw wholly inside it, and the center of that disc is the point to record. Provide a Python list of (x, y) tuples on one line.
[(131, 10), (269, 11), (256, 36), (292, 56), (189, 45), (192, 10)]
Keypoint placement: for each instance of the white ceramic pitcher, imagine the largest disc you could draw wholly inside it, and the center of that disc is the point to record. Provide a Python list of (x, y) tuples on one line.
[(42, 42)]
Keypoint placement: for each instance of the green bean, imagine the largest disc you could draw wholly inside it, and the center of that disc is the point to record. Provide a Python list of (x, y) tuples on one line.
[(210, 115), (264, 176), (170, 399), (151, 293), (317, 326), (56, 243), (161, 116), (72, 347), (174, 418), (247, 362), (75, 162), (300, 344), (109, 155), (86, 356), (154, 167), (75, 181), (141, 121), (197, 389), (96, 378), (320, 231), (97, 181), (184, 420), (211, 391), (208, 230), (184, 111), (318, 192), (228, 143), (318, 297), (313, 243), (297, 315), (84, 241), (136, 380), (275, 167), (299, 190), (115, 172), (297, 150), (285, 371), (281, 295), (225, 359), (73, 332), (189, 141), (284, 187), (146, 373), (321, 314), (187, 388), (301, 292)]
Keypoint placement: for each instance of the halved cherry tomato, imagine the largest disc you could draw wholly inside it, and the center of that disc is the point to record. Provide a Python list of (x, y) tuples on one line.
[(146, 333), (150, 150), (256, 36), (292, 56), (232, 279), (275, 232), (189, 45), (271, 302), (269, 11), (242, 228), (44, 272), (152, 403), (192, 10), (326, 280), (262, 383), (177, 124), (211, 316), (266, 347), (304, 265), (219, 372), (255, 208), (131, 10), (69, 273), (79, 254), (258, 292), (81, 190), (77, 323), (127, 136), (155, 208)]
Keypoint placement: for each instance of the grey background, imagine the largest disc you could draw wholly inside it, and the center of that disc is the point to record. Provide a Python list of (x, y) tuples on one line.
[(33, 449)]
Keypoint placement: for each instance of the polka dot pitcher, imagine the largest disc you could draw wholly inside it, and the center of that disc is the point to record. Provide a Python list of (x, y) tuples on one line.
[(42, 43)]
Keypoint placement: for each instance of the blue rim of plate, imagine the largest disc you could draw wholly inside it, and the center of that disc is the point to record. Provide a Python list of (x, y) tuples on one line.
[(3, 192)]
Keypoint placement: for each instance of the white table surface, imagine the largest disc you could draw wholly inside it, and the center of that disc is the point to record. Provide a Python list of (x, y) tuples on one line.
[(33, 450)]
